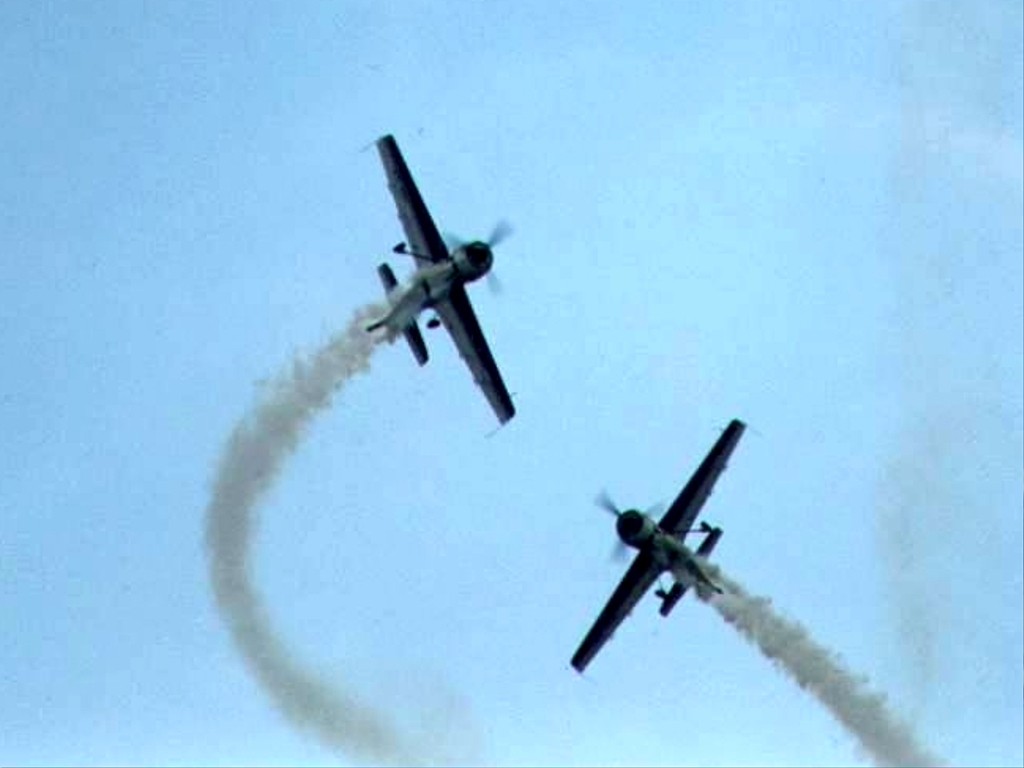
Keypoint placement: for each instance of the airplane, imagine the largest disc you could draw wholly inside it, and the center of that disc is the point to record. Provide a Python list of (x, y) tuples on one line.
[(661, 549), (438, 283)]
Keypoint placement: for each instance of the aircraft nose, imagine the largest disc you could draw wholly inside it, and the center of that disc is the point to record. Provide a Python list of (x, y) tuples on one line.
[(628, 525), (480, 255)]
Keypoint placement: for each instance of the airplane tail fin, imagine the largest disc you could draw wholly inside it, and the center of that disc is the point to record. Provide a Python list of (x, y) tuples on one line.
[(412, 333), (708, 545)]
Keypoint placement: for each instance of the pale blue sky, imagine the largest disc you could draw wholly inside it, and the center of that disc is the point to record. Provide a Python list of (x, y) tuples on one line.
[(804, 215)]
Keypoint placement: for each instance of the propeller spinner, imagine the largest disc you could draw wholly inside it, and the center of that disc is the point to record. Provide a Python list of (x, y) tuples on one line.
[(499, 233)]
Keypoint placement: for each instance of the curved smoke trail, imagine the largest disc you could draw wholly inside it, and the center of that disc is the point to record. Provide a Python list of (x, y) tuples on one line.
[(865, 714), (253, 457)]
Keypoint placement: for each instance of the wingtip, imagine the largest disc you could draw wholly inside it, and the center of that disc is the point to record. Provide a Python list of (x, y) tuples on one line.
[(505, 414)]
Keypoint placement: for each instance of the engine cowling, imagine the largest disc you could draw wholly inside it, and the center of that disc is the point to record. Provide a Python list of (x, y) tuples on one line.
[(635, 528), (473, 260)]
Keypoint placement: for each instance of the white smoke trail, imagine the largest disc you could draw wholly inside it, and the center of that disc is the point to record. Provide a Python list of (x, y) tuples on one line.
[(253, 457), (886, 739)]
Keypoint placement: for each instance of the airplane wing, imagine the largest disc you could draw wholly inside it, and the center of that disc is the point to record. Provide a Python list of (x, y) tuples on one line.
[(459, 318), (423, 240), (684, 510), (634, 585)]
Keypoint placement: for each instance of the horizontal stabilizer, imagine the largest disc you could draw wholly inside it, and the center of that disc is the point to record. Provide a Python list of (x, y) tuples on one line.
[(708, 545), (416, 344), (387, 278), (670, 598), (412, 330)]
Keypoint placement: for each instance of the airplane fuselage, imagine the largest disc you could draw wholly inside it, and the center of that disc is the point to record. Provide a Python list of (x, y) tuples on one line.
[(678, 558), (639, 531), (431, 284), (426, 288)]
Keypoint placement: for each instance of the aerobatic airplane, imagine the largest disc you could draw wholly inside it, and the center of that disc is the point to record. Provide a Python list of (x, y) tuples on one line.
[(661, 548), (438, 283)]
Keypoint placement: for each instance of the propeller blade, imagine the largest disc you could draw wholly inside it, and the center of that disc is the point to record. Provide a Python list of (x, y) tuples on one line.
[(494, 283), (655, 510), (452, 242), (620, 551), (501, 230), (605, 502)]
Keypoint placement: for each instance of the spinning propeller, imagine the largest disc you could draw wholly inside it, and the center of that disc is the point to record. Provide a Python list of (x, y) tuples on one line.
[(619, 550), (500, 232), (604, 501)]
